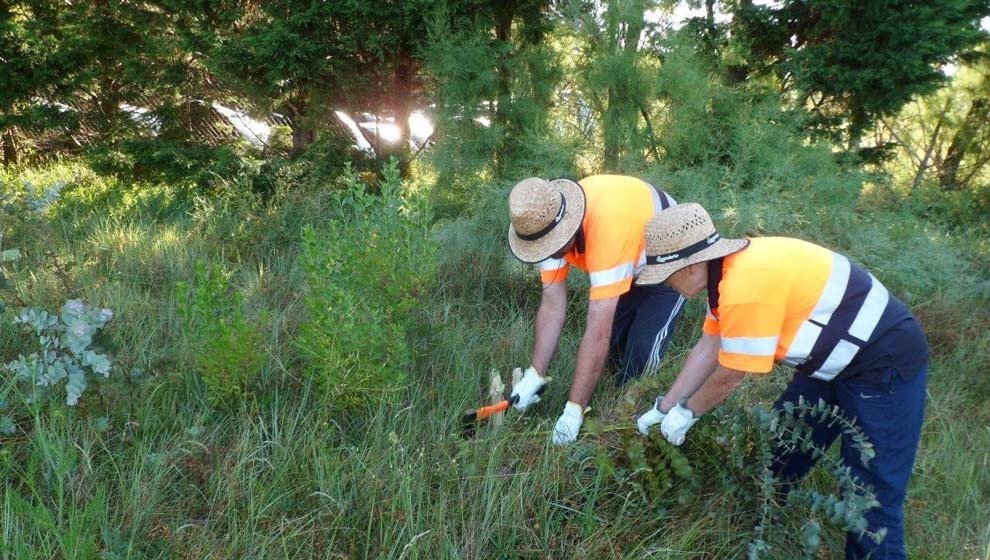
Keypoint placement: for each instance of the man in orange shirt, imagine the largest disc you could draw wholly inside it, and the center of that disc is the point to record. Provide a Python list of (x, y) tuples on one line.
[(851, 342), (595, 225)]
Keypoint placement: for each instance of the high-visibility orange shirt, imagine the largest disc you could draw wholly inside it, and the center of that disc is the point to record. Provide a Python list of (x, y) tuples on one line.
[(618, 208), (767, 292), (791, 301)]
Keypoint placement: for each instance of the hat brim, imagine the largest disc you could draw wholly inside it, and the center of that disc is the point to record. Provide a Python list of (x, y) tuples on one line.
[(541, 249), (658, 273)]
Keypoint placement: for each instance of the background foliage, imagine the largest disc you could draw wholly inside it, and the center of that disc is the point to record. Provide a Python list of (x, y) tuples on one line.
[(298, 323)]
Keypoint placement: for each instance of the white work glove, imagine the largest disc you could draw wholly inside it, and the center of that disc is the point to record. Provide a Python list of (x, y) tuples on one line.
[(569, 424), (651, 418), (527, 388), (677, 423)]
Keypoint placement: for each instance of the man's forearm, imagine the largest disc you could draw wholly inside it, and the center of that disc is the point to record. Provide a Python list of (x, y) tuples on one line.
[(698, 367), (593, 349), (588, 369), (716, 389), (549, 324)]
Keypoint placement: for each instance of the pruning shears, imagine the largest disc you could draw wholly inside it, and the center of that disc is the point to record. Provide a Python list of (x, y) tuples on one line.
[(472, 416)]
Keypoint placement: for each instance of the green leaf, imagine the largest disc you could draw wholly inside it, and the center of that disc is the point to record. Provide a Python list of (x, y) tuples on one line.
[(9, 255)]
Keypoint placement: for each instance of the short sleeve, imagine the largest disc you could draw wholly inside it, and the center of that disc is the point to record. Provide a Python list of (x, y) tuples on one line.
[(710, 326), (612, 290), (553, 270), (611, 267)]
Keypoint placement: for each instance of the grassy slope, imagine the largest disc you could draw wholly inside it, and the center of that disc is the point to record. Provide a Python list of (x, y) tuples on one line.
[(287, 476)]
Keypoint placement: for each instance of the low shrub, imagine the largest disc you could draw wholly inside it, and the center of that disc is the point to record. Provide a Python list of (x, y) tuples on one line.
[(224, 347), (365, 274), (732, 452)]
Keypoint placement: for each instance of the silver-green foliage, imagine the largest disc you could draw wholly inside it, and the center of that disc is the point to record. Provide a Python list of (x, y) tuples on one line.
[(734, 451), (65, 357), (32, 202), (789, 431)]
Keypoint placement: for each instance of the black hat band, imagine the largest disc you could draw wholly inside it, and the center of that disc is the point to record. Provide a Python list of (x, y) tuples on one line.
[(549, 228), (685, 252)]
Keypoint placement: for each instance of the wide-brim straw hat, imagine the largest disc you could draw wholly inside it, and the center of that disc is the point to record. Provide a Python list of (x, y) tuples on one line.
[(544, 216), (680, 236)]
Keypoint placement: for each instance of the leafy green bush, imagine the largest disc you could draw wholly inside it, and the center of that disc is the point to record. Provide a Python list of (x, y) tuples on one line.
[(224, 347), (364, 275)]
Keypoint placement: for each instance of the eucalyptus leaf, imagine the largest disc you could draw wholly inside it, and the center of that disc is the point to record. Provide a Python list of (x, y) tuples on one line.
[(7, 426)]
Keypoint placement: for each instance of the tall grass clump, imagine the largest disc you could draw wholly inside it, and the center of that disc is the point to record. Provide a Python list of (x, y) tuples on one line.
[(364, 275)]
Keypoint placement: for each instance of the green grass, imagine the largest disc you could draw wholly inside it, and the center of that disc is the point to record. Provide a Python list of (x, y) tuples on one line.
[(287, 475)]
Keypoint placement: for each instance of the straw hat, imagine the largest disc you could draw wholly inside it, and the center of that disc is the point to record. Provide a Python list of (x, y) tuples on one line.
[(679, 236), (544, 216)]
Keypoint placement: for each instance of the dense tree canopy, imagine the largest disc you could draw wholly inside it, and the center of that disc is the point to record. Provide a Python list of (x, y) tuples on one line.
[(856, 61), (492, 71)]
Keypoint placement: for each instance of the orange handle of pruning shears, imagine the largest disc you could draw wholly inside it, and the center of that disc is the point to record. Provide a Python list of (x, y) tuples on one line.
[(486, 411), (472, 415)]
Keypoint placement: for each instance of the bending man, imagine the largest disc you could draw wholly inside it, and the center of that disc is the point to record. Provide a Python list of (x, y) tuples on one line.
[(851, 342), (597, 226)]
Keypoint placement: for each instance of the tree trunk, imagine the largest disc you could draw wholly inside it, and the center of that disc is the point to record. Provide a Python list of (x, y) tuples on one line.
[(622, 113), (711, 34), (926, 159), (961, 141), (302, 137), (857, 124), (400, 102), (9, 147), (300, 123), (503, 33)]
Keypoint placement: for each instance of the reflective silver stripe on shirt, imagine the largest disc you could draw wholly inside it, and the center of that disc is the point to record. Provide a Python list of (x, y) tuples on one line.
[(862, 328), (611, 275), (869, 315), (640, 264), (552, 264), (657, 204), (841, 355), (657, 208), (750, 346), (830, 299)]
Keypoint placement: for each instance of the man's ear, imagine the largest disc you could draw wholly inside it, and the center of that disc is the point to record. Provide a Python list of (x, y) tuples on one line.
[(698, 270)]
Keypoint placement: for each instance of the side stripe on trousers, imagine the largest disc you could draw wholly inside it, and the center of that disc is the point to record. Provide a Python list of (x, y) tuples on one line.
[(653, 363)]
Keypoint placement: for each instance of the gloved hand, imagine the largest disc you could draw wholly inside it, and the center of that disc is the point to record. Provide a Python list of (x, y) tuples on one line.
[(677, 423), (569, 424), (526, 389), (651, 417)]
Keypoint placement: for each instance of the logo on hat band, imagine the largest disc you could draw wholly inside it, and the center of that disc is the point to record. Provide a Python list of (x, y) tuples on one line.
[(549, 228), (684, 253)]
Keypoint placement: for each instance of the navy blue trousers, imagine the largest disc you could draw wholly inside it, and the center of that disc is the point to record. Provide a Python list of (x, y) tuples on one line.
[(889, 409), (644, 322)]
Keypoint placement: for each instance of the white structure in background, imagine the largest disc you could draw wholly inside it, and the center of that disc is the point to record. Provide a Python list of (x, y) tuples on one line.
[(254, 131), (258, 133), (420, 129), (137, 114)]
